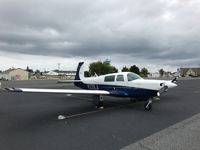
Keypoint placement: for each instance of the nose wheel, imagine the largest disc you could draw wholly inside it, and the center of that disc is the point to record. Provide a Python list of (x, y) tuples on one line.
[(148, 105)]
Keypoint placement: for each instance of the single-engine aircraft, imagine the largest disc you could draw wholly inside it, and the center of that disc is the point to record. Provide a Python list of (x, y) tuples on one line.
[(122, 84)]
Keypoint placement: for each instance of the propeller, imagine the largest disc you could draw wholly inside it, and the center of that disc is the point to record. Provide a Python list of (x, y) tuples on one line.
[(174, 80)]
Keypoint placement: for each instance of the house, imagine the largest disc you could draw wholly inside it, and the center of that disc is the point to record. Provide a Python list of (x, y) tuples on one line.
[(15, 74), (186, 72)]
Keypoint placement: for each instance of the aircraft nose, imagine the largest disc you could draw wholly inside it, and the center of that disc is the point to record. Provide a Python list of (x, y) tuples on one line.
[(174, 85), (171, 85)]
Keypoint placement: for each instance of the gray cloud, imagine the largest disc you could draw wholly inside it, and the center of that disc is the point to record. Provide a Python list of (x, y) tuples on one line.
[(163, 30)]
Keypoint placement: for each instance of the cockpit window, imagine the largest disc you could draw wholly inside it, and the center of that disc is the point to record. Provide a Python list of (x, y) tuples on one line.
[(132, 76), (109, 78), (120, 78)]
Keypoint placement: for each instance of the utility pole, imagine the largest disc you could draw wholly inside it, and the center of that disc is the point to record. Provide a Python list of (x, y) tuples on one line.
[(58, 66)]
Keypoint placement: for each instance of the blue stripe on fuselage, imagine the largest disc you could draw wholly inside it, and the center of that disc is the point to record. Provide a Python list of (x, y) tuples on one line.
[(120, 91)]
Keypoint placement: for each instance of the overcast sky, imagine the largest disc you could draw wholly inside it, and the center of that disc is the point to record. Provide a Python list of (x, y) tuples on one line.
[(153, 34)]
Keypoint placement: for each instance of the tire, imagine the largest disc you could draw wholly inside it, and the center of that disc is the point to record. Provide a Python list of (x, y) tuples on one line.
[(98, 101)]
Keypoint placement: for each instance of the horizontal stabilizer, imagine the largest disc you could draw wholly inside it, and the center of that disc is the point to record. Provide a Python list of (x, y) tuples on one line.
[(68, 81)]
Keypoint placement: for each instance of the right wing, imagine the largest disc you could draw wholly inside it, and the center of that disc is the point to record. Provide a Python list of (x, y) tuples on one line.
[(65, 91)]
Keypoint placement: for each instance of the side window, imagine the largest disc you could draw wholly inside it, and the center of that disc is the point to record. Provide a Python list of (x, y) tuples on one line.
[(109, 78), (120, 78)]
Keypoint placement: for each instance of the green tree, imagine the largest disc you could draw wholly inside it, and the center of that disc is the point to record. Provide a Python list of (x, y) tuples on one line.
[(38, 73), (113, 69), (161, 72), (101, 68), (87, 74), (144, 72), (135, 69), (29, 70), (125, 69)]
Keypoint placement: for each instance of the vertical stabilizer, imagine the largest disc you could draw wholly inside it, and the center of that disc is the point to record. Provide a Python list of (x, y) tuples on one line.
[(80, 76), (80, 71)]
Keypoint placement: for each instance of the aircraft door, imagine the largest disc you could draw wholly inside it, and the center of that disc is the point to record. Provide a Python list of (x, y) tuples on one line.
[(121, 80)]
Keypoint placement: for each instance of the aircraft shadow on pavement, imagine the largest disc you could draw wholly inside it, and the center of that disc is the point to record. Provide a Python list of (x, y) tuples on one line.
[(85, 110)]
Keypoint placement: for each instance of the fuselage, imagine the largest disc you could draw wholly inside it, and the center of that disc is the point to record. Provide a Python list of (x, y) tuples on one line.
[(125, 84)]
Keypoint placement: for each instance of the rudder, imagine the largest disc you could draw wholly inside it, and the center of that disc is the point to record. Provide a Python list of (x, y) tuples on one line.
[(79, 72)]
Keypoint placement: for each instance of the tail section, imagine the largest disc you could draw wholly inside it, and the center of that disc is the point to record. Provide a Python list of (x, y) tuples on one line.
[(80, 71), (80, 76)]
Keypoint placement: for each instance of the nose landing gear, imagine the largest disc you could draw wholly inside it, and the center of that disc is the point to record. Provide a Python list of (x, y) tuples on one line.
[(148, 105)]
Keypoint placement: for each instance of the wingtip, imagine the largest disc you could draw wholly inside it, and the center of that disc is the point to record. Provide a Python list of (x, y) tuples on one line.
[(13, 89), (8, 89)]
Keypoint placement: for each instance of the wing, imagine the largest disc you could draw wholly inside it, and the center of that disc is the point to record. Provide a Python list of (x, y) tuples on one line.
[(65, 91)]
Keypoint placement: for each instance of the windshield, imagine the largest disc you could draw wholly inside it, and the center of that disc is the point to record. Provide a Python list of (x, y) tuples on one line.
[(132, 76)]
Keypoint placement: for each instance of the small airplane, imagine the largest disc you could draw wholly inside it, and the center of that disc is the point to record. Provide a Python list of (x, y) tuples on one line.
[(122, 84)]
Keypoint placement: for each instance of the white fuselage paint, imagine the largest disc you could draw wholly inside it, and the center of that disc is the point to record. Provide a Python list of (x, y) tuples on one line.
[(138, 83)]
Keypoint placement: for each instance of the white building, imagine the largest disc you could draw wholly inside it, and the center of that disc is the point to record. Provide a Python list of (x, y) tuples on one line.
[(52, 73), (61, 73), (154, 75), (14, 74)]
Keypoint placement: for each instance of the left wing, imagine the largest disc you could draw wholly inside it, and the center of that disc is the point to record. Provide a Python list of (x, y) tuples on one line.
[(65, 91)]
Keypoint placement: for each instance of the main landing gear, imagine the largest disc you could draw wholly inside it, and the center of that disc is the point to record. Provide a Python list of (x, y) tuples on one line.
[(148, 104), (98, 101)]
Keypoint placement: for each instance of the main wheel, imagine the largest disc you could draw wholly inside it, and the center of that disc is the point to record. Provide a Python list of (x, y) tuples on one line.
[(98, 101), (147, 107)]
